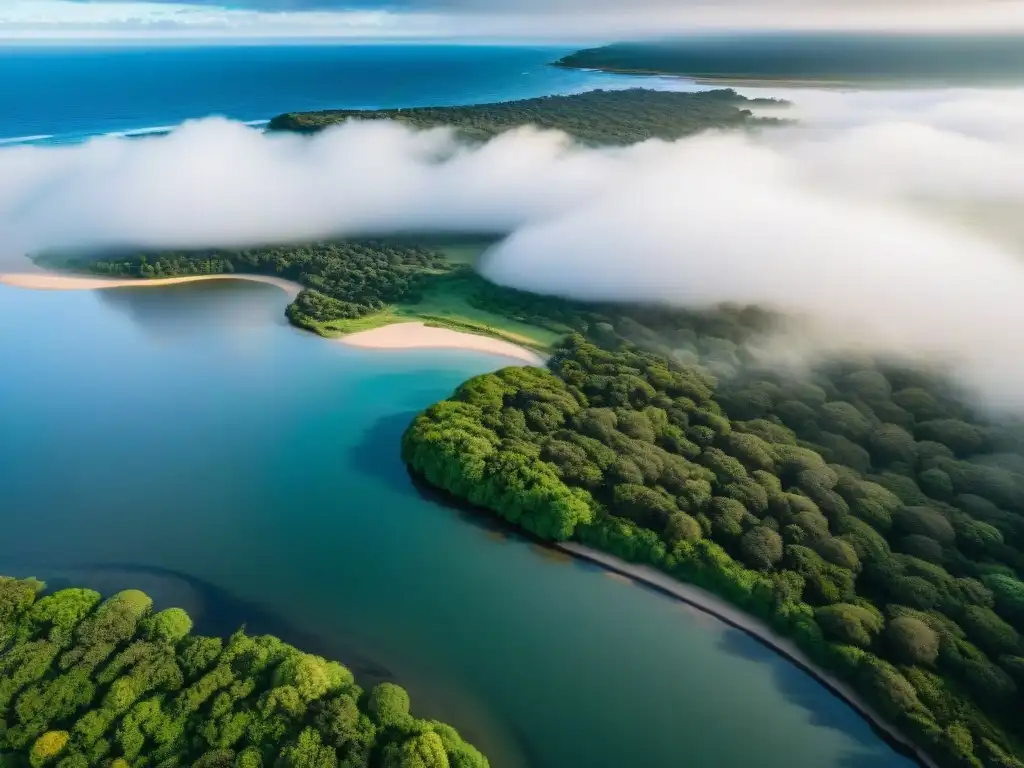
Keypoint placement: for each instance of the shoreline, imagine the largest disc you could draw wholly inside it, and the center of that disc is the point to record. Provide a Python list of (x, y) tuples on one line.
[(419, 335), (752, 627), (747, 81), (699, 599), (50, 281), (396, 336)]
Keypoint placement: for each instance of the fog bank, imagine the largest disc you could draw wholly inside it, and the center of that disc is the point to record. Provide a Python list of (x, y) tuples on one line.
[(889, 220)]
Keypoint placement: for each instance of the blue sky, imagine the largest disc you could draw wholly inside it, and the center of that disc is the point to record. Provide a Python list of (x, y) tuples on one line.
[(563, 20)]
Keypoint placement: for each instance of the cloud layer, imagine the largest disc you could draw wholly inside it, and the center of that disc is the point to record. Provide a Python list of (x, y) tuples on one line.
[(889, 221)]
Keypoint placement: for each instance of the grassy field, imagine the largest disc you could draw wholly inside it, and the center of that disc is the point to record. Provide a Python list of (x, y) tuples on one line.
[(446, 303)]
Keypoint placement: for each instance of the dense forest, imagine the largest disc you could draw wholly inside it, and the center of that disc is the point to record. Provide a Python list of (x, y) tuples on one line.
[(342, 280), (352, 279), (864, 511), (92, 682), (815, 56), (594, 117)]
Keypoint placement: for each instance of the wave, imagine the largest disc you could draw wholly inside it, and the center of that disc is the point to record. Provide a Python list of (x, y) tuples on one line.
[(156, 129), (128, 133), (26, 139)]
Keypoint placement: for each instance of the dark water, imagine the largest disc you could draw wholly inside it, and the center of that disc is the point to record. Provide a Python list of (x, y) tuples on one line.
[(64, 93), (186, 441)]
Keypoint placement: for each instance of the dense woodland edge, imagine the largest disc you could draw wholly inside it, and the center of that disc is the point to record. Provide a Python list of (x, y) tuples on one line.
[(91, 682), (867, 514)]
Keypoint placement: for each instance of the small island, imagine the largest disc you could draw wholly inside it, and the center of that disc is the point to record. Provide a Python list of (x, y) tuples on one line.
[(91, 682)]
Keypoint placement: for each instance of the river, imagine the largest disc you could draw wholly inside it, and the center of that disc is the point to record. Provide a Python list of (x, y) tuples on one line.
[(187, 441)]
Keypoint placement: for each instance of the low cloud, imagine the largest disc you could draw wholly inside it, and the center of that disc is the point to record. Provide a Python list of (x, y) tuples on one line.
[(887, 221)]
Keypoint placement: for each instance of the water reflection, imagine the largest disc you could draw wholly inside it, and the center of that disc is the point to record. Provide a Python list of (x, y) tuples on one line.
[(188, 308)]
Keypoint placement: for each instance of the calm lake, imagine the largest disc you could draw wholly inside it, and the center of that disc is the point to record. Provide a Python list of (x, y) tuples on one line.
[(187, 441)]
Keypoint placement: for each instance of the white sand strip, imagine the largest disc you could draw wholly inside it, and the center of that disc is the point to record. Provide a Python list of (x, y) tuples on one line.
[(420, 336), (50, 281)]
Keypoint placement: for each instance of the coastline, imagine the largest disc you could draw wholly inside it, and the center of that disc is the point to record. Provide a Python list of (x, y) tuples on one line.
[(396, 336), (741, 81), (418, 335), (734, 617), (698, 598), (49, 281)]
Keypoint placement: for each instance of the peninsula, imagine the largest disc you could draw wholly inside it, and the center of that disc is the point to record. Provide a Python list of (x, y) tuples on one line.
[(594, 117), (87, 681), (815, 59)]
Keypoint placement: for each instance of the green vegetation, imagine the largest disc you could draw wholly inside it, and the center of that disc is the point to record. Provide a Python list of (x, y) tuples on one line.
[(357, 286), (863, 511), (594, 117), (353, 286), (91, 682)]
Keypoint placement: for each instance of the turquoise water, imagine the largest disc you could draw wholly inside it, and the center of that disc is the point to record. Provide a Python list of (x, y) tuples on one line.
[(187, 441), (65, 93)]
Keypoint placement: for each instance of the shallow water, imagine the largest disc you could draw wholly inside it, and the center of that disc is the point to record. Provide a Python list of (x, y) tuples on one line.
[(188, 441)]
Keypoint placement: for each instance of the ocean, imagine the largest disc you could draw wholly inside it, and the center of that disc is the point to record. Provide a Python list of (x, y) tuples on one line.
[(60, 94)]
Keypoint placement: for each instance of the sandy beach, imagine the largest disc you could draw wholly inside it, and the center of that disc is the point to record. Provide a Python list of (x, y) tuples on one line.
[(49, 281), (398, 336), (421, 336)]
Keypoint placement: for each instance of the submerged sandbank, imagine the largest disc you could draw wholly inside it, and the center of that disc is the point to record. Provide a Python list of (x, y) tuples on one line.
[(49, 281), (422, 336)]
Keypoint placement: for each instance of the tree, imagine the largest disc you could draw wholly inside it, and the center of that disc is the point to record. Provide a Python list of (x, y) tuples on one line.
[(312, 676), (844, 419), (1009, 596), (644, 506), (890, 444), (170, 625), (924, 521), (337, 719), (849, 624), (60, 612), (962, 438), (48, 747), (761, 547), (912, 641), (922, 547), (389, 705), (989, 631), (425, 750), (308, 752), (681, 527), (936, 484), (837, 552)]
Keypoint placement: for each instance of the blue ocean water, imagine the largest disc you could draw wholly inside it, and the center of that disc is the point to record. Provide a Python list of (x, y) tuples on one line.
[(56, 94)]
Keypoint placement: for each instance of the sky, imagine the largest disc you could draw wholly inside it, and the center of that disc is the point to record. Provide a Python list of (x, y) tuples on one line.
[(515, 20)]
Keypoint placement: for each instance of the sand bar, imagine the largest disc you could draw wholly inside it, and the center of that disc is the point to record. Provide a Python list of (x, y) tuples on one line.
[(421, 336), (50, 281), (398, 336)]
